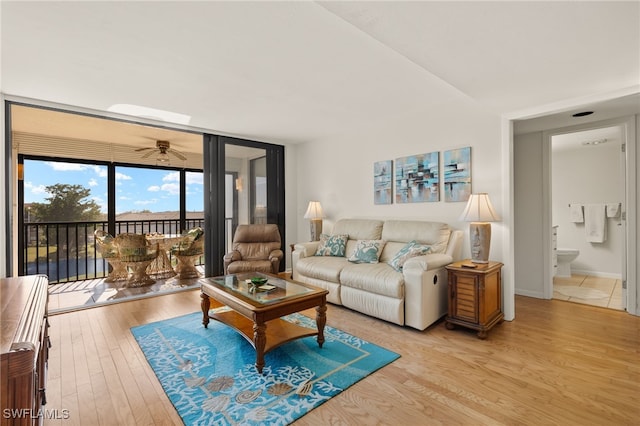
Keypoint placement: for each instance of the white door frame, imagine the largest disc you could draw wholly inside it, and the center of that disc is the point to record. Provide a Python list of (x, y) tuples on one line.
[(627, 125)]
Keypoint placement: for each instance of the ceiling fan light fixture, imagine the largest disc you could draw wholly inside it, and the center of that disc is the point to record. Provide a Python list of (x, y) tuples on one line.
[(163, 159)]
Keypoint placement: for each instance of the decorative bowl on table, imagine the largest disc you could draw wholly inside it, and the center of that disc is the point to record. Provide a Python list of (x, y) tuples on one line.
[(259, 280)]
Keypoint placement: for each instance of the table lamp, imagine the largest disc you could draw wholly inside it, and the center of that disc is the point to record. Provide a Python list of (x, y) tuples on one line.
[(315, 215), (479, 212)]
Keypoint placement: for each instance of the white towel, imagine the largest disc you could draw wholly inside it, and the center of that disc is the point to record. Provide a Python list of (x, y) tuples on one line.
[(613, 209), (575, 213), (595, 224)]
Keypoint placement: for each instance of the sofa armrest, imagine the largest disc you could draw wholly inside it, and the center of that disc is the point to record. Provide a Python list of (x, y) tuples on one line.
[(300, 251), (427, 262), (305, 249), (425, 289)]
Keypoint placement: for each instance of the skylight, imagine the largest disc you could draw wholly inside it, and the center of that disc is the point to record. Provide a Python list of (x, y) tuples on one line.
[(151, 113)]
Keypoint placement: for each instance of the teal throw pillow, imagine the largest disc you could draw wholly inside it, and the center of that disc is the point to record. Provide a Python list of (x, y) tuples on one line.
[(367, 251), (412, 249), (332, 245)]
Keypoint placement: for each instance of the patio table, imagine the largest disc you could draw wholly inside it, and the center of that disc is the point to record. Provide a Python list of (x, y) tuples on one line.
[(161, 266)]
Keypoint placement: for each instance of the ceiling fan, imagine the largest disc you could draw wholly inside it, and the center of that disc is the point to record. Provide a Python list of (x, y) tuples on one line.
[(163, 148)]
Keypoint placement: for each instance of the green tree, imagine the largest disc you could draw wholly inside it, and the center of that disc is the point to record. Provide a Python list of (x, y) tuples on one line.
[(67, 203)]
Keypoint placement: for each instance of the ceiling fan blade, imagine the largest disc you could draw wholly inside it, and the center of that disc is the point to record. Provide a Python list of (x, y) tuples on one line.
[(142, 149), (177, 154), (148, 154)]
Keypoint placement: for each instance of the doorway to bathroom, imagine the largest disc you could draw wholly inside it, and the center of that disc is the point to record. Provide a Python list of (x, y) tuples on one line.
[(588, 204)]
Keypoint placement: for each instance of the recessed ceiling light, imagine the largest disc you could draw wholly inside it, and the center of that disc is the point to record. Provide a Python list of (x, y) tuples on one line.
[(582, 114), (152, 113)]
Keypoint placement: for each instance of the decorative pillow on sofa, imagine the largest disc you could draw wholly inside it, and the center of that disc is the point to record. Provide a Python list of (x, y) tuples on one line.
[(412, 249), (367, 251), (332, 245)]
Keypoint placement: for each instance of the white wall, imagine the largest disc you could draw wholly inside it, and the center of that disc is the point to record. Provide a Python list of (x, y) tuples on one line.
[(588, 175), (529, 242), (338, 172)]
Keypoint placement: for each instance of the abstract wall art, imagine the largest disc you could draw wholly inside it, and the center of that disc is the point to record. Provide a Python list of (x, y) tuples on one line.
[(383, 182), (417, 178), (457, 174)]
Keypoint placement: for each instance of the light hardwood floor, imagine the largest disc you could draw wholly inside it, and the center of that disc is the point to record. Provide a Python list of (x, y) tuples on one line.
[(558, 363)]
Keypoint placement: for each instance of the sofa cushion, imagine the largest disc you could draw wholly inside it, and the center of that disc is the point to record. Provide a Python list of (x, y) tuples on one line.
[(332, 245), (325, 268), (435, 234), (411, 249), (359, 229), (367, 251), (378, 279)]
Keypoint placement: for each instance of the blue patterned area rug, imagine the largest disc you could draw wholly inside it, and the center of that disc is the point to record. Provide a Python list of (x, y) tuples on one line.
[(211, 378)]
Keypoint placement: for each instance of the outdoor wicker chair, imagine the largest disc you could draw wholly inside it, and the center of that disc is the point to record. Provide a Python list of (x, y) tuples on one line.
[(105, 243), (187, 251), (136, 253)]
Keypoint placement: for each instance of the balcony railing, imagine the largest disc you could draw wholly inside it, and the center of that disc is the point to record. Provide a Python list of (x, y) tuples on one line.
[(66, 251)]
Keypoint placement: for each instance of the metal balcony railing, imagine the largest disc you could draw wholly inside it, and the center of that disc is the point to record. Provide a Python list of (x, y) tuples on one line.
[(66, 251)]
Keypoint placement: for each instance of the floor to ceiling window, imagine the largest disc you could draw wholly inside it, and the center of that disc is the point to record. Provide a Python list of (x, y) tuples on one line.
[(215, 182)]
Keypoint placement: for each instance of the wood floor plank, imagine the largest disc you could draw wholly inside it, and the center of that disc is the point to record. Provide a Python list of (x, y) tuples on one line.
[(557, 363)]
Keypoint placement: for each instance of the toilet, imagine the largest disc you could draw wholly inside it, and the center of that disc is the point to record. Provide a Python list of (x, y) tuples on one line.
[(565, 257)]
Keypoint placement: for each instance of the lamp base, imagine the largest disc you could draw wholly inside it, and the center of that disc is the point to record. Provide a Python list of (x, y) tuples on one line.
[(316, 229), (480, 234)]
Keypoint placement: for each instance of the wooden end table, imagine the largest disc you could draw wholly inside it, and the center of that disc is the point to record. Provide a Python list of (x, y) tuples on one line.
[(256, 314), (475, 296)]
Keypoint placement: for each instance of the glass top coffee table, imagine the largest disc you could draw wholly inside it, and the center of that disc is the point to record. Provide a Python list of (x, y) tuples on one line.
[(255, 310)]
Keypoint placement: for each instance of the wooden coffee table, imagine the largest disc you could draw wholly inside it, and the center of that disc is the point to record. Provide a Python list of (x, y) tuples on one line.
[(256, 314)]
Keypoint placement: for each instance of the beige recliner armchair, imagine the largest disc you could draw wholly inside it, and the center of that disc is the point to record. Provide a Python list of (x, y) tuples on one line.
[(255, 248)]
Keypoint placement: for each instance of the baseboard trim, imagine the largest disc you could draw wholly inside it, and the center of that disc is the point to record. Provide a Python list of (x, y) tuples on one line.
[(597, 274), (529, 293)]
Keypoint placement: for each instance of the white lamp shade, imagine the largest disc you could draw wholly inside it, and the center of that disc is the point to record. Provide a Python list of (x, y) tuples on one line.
[(314, 211), (479, 209)]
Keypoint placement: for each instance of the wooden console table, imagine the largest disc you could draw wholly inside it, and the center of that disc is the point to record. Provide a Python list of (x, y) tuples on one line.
[(24, 349)]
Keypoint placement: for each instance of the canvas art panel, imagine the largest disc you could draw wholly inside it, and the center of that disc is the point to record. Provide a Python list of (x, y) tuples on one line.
[(383, 182), (457, 174), (417, 178)]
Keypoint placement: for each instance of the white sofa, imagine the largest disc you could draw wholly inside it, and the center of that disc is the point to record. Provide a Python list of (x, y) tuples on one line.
[(416, 296)]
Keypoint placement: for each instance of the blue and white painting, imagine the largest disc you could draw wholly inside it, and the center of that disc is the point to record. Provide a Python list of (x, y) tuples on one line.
[(457, 174), (417, 178), (383, 182)]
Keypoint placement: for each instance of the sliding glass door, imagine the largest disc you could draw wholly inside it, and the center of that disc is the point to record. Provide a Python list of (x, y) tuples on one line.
[(246, 187)]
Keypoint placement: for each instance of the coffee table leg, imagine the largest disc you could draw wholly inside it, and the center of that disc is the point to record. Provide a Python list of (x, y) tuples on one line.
[(260, 341), (205, 309), (321, 320)]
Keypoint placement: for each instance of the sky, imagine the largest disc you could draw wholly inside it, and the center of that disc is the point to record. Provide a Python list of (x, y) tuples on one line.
[(136, 188)]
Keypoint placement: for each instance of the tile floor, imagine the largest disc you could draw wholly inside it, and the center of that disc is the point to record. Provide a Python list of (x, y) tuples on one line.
[(589, 290), (75, 295)]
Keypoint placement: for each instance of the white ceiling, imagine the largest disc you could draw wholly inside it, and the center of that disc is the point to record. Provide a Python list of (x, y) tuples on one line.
[(289, 72)]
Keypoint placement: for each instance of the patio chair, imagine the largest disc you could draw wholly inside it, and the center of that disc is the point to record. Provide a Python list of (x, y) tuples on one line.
[(255, 248), (187, 251), (105, 244), (136, 253)]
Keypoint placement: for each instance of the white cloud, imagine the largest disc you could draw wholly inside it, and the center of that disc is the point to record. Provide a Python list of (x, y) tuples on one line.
[(171, 188), (35, 189), (153, 188), (171, 177), (93, 182), (66, 167), (122, 176), (194, 178), (101, 171)]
